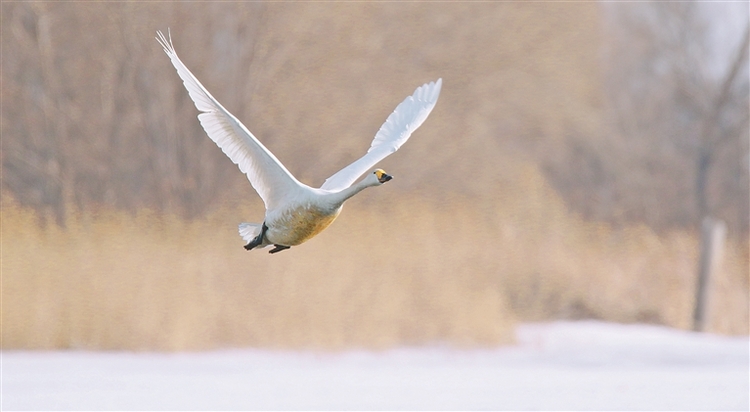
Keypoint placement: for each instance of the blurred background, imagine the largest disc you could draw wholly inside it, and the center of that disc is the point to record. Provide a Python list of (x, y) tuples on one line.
[(564, 173)]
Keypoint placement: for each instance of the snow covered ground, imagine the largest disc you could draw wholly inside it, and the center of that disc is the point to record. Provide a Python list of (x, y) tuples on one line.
[(561, 365)]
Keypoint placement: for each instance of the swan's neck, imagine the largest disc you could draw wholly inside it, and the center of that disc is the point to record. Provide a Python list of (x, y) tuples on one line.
[(339, 198)]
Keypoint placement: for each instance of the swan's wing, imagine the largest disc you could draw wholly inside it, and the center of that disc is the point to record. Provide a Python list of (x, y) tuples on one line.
[(407, 117), (269, 177)]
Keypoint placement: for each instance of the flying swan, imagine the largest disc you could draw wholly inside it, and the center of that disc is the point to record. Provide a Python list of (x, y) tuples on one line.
[(296, 212)]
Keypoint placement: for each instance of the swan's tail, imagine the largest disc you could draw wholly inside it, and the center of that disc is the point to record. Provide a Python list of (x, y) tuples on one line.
[(249, 231)]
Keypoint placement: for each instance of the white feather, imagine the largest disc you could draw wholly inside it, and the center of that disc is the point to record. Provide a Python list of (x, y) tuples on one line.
[(267, 175), (396, 130)]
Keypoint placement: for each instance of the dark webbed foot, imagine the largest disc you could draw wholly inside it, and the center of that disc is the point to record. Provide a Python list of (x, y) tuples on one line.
[(278, 248), (258, 239)]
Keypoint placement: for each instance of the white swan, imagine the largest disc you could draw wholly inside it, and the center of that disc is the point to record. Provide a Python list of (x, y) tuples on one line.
[(296, 212)]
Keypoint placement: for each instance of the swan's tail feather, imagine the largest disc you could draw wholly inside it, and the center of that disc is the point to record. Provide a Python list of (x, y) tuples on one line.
[(249, 231)]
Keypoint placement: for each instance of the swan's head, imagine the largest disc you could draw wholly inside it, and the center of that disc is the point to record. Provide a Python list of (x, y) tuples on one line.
[(382, 176)]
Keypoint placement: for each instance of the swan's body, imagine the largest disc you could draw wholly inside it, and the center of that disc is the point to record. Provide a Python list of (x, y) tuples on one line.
[(296, 212)]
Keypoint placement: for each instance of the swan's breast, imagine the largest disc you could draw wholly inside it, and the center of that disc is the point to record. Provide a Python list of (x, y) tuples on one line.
[(297, 225)]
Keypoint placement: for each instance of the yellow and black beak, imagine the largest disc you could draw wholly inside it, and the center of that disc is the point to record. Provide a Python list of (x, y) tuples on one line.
[(383, 176)]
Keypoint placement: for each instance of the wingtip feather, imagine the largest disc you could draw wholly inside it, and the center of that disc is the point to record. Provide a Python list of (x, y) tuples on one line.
[(164, 42)]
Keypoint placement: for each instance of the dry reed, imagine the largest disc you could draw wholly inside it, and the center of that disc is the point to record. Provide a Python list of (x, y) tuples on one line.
[(408, 273)]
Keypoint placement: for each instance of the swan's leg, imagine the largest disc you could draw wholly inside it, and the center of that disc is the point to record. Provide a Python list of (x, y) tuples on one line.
[(278, 248), (258, 239)]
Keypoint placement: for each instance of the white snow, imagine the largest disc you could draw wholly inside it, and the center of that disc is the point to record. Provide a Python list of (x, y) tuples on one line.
[(561, 365)]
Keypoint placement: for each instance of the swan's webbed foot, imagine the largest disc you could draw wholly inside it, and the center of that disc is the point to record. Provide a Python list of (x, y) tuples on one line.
[(258, 239), (278, 248)]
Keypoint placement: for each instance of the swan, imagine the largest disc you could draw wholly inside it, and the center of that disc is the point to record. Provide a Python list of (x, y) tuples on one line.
[(296, 212)]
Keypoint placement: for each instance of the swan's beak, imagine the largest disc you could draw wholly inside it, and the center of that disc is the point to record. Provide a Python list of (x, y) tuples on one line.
[(382, 176)]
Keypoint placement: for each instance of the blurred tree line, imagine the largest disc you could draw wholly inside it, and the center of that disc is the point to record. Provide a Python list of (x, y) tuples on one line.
[(677, 116), (94, 118), (618, 104)]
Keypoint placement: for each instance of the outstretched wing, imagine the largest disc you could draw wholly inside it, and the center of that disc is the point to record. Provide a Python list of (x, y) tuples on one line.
[(267, 175), (407, 117)]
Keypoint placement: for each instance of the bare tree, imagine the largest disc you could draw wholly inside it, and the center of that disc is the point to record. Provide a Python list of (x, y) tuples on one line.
[(681, 124)]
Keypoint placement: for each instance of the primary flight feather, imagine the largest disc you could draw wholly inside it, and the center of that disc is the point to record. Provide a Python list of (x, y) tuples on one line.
[(296, 212)]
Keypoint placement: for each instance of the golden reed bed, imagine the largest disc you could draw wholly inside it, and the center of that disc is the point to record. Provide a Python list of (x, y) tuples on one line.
[(404, 273)]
